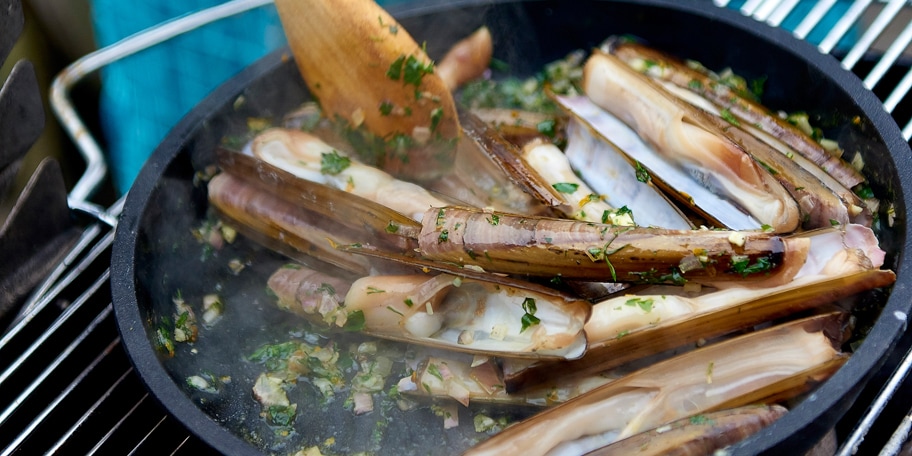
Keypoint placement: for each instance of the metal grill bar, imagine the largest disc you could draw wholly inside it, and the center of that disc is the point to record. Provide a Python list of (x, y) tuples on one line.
[(850, 446), (5, 415), (20, 324), (120, 424), (843, 25), (79, 379), (813, 18), (91, 410), (774, 12), (779, 15)]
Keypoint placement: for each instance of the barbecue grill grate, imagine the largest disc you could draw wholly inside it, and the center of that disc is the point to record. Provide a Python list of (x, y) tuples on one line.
[(66, 385)]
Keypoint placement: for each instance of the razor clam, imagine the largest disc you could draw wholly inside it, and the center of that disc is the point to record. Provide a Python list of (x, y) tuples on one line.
[(569, 193), (308, 157), (683, 135), (489, 150), (376, 222), (521, 127), (727, 374), (664, 66), (813, 191), (609, 174), (468, 381), (282, 226), (651, 167), (841, 263), (440, 310), (469, 315), (697, 435), (575, 250), (466, 60)]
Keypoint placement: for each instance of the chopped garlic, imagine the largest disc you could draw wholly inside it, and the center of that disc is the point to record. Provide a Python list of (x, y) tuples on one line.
[(736, 238), (357, 117), (499, 332), (466, 337)]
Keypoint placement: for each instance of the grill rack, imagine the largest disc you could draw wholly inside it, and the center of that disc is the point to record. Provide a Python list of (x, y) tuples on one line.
[(59, 355)]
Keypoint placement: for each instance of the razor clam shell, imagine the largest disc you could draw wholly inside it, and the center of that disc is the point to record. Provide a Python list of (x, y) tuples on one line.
[(548, 247), (841, 264), (302, 154), (819, 204), (382, 300), (697, 435), (665, 175), (463, 374), (377, 222), (683, 135), (486, 149), (610, 174), (729, 373), (281, 226), (701, 325), (387, 312), (671, 69)]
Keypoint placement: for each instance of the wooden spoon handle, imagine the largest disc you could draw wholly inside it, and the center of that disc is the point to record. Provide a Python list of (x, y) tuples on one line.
[(361, 65)]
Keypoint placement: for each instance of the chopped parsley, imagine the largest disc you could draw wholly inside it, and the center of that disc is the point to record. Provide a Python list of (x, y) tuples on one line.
[(565, 187), (864, 192), (642, 174), (433, 370), (643, 303), (413, 71), (281, 415), (547, 127), (327, 289), (386, 108), (443, 237), (395, 69), (436, 115), (529, 318), (494, 219), (741, 265), (332, 163), (355, 321), (729, 117)]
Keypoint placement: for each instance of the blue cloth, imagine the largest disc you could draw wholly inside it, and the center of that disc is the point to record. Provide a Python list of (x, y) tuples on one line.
[(819, 32), (146, 94)]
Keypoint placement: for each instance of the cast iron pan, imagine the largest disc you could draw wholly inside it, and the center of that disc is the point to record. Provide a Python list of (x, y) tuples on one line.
[(155, 255)]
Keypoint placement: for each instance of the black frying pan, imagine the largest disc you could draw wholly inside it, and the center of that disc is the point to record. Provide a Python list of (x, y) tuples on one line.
[(154, 253)]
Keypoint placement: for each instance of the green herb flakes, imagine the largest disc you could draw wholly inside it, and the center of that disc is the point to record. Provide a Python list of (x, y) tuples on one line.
[(395, 69), (529, 318), (547, 127), (729, 117), (435, 371), (355, 321), (386, 108), (332, 163), (642, 174), (565, 187), (741, 265)]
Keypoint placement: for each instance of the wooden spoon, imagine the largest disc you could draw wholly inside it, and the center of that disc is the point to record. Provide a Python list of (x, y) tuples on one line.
[(363, 67)]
